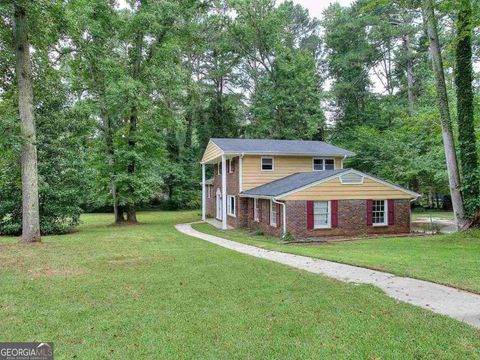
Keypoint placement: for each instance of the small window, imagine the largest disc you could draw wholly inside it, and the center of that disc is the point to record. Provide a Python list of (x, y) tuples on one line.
[(267, 164), (329, 164), (317, 164), (231, 205), (321, 214), (379, 214), (209, 191), (320, 164), (230, 165), (255, 210), (273, 213), (219, 168)]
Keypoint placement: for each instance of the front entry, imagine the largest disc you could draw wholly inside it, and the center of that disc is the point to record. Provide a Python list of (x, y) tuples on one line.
[(219, 205)]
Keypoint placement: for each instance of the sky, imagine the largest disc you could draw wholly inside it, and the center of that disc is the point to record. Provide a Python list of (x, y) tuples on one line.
[(316, 7)]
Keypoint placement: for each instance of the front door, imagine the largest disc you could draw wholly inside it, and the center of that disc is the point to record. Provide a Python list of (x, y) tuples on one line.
[(219, 205)]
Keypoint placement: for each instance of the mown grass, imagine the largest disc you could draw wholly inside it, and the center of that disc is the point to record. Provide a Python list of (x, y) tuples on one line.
[(149, 292), (450, 259)]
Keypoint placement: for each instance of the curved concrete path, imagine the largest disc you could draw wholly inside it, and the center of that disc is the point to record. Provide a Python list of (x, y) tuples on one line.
[(458, 304)]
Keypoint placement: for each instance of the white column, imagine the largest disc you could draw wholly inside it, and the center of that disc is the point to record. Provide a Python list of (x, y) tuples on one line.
[(224, 193), (204, 195)]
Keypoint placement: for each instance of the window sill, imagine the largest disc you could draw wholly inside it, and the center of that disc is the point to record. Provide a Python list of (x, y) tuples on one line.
[(232, 215), (322, 228), (380, 225)]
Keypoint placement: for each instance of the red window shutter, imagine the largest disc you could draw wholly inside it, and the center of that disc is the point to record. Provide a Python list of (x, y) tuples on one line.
[(268, 212), (334, 211), (369, 212), (309, 215), (279, 218), (391, 212)]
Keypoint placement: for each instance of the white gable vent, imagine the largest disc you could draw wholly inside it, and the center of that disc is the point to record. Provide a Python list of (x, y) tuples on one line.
[(351, 178)]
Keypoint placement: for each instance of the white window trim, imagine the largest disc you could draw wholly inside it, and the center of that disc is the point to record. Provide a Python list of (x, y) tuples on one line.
[(385, 214), (324, 159), (328, 225), (229, 213), (229, 166), (219, 169), (255, 210), (267, 157), (209, 191), (273, 223)]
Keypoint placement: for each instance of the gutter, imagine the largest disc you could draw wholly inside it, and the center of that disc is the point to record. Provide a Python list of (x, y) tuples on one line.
[(284, 216)]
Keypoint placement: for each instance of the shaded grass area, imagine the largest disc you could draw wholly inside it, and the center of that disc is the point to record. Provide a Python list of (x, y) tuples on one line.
[(149, 292), (450, 259)]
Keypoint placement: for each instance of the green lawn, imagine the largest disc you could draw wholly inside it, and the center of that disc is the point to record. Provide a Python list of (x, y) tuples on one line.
[(149, 292), (450, 259)]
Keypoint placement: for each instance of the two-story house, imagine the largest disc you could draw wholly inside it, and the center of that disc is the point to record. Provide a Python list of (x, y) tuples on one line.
[(299, 187)]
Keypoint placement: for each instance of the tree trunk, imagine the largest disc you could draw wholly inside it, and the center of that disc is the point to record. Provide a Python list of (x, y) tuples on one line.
[(466, 128), (23, 69), (448, 143), (409, 65)]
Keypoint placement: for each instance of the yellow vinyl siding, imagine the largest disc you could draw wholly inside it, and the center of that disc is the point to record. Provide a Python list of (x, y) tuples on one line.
[(211, 152), (253, 175), (335, 190)]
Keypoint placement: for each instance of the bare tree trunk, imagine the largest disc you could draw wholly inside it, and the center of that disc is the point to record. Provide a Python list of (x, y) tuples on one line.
[(23, 69), (411, 96), (448, 144)]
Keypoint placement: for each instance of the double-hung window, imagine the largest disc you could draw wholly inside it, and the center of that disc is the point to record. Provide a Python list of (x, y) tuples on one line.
[(379, 212), (321, 214), (219, 167), (255, 210), (320, 164), (267, 164), (231, 205), (230, 165), (273, 213)]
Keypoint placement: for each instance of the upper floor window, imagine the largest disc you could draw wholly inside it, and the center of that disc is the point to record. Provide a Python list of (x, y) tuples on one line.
[(267, 164), (320, 164), (379, 212), (231, 165)]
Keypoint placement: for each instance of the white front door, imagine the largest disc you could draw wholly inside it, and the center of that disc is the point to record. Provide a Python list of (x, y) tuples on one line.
[(219, 204)]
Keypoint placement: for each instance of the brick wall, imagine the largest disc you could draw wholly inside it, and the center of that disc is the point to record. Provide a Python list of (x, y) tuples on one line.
[(264, 218), (352, 220)]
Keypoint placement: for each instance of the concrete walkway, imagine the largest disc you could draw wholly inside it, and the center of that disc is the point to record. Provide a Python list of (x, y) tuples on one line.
[(461, 305)]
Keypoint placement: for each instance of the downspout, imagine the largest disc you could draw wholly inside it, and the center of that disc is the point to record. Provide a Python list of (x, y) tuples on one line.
[(284, 216), (344, 157), (240, 172)]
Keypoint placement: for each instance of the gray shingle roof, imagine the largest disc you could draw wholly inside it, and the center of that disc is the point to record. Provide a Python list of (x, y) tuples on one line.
[(291, 182), (265, 146)]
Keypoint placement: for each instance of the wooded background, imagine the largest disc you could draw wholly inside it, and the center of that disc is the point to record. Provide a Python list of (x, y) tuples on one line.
[(125, 99)]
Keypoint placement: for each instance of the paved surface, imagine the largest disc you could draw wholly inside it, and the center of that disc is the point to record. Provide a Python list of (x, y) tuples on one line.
[(461, 305)]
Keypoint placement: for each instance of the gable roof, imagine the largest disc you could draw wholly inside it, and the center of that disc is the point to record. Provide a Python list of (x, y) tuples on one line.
[(279, 147), (302, 180), (291, 182)]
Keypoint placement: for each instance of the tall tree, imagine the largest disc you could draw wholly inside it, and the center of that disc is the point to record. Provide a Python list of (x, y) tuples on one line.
[(23, 70), (443, 107), (465, 118)]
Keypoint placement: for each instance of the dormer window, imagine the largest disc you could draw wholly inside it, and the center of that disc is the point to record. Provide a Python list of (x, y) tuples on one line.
[(267, 164), (321, 164)]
